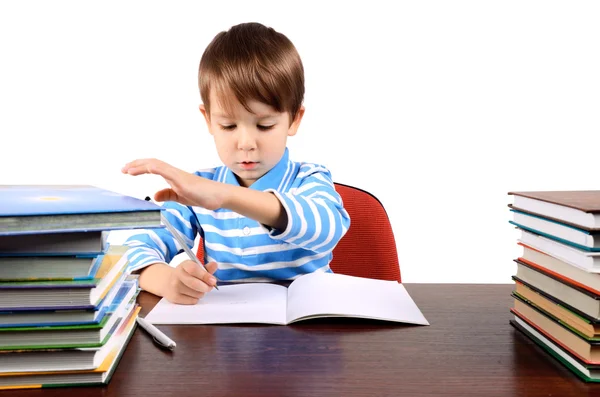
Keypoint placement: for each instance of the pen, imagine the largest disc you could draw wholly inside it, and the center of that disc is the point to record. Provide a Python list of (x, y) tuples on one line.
[(156, 334), (181, 242)]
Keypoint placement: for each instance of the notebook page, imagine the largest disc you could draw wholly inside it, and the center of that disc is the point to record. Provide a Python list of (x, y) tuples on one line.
[(334, 295), (242, 303)]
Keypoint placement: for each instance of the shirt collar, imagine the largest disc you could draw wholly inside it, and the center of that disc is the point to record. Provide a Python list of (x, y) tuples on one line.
[(271, 180)]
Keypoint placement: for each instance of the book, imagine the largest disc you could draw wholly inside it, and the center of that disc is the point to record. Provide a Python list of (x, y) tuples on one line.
[(313, 295), (589, 261), (27, 318), (587, 372), (549, 313), (579, 298), (27, 209), (561, 269), (98, 376), (577, 208), (563, 312), (69, 359), (74, 294), (561, 232), (65, 316), (17, 268), (45, 337), (585, 349), (70, 243)]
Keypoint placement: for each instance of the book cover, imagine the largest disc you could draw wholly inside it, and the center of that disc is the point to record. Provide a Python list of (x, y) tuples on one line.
[(587, 372), (54, 244), (25, 318), (583, 259), (556, 301), (66, 359), (558, 231), (77, 337), (590, 339), (99, 376), (26, 200), (77, 294), (60, 208), (584, 289), (583, 200), (580, 209), (125, 292), (585, 351)]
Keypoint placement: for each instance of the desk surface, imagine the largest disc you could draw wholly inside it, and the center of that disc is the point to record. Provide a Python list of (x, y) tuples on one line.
[(468, 350)]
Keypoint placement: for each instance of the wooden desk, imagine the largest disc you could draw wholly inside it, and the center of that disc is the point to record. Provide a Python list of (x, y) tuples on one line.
[(468, 350)]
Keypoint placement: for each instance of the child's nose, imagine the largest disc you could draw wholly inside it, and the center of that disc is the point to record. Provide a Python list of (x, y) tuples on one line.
[(246, 139)]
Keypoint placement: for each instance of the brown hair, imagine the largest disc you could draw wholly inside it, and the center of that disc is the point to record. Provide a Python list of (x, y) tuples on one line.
[(252, 62)]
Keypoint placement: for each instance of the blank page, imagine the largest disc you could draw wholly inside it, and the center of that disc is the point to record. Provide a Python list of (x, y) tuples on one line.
[(334, 295), (242, 303)]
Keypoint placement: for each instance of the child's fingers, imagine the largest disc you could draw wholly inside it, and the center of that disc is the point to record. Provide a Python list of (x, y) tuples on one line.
[(181, 299), (139, 170), (135, 164), (200, 273), (166, 195), (184, 289), (150, 166), (211, 267), (195, 277)]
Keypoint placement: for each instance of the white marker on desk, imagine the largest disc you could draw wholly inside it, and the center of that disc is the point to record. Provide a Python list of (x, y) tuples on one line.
[(156, 334)]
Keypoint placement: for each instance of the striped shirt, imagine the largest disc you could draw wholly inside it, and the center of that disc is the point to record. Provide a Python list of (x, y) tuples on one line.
[(246, 250)]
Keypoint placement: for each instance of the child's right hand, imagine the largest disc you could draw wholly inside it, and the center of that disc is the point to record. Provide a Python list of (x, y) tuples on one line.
[(188, 282)]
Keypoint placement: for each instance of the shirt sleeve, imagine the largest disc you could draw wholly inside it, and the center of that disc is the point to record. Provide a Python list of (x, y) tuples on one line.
[(317, 219), (158, 245)]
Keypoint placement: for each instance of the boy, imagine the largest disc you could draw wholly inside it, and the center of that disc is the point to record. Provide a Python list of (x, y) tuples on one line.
[(262, 216)]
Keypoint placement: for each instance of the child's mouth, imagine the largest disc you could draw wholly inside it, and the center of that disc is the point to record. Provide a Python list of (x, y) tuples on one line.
[(248, 165)]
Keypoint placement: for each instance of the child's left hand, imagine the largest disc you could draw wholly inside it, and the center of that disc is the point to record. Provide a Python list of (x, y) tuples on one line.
[(186, 188)]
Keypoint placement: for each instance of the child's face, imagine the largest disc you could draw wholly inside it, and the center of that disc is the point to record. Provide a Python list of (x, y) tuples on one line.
[(249, 144)]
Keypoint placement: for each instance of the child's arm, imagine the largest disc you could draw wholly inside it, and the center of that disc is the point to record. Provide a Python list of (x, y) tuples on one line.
[(190, 189), (311, 215), (151, 250), (151, 246), (316, 218)]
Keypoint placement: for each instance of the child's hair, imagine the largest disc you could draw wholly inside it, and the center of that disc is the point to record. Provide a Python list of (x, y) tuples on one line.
[(252, 62)]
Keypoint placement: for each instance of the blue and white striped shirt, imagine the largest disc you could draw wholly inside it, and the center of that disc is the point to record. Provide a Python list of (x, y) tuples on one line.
[(246, 250)]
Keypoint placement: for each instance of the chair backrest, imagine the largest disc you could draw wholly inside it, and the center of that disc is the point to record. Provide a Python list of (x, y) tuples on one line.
[(368, 249)]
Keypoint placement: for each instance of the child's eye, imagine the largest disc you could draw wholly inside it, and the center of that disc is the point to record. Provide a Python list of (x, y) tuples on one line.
[(228, 127), (265, 127)]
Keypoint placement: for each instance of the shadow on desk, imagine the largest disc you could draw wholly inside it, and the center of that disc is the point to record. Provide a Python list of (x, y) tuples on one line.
[(348, 326)]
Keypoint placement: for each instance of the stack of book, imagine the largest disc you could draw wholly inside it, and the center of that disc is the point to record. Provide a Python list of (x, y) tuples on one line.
[(67, 306), (557, 283)]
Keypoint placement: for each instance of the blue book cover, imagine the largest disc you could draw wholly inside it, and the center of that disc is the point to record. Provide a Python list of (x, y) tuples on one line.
[(25, 200), (27, 209)]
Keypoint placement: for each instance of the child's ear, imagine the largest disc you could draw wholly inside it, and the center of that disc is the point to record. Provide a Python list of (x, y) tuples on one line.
[(206, 116), (296, 123)]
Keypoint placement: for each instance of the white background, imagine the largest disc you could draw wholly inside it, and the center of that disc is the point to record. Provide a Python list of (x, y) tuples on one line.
[(438, 108)]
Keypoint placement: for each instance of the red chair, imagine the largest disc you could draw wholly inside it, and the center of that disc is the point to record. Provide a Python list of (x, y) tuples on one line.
[(368, 249)]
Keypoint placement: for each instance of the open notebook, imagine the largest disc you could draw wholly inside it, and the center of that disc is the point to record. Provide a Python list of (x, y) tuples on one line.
[(310, 296)]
